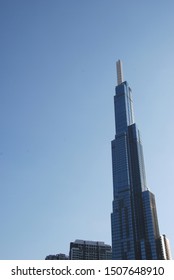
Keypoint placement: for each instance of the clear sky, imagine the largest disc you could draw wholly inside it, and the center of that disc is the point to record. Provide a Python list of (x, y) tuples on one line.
[(57, 116)]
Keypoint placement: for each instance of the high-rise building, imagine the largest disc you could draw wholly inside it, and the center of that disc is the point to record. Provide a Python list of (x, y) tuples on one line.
[(134, 220), (57, 257), (164, 248), (89, 250)]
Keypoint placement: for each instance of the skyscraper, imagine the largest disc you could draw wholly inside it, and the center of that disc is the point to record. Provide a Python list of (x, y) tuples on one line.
[(134, 220)]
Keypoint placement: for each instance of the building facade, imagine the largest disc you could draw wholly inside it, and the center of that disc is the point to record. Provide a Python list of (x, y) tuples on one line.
[(89, 250), (164, 248), (134, 219), (57, 257)]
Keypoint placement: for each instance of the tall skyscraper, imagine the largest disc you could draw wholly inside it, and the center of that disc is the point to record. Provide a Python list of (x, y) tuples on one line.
[(135, 231)]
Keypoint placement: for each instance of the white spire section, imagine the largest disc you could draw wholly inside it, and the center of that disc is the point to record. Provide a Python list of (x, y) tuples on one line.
[(119, 72)]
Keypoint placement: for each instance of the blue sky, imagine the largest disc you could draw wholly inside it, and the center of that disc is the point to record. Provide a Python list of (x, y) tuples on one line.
[(57, 116)]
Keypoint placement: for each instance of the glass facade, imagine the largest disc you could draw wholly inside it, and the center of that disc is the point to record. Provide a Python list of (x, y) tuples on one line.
[(134, 219)]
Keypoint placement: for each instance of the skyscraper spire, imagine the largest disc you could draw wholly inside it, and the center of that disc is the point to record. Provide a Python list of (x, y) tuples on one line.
[(119, 72)]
